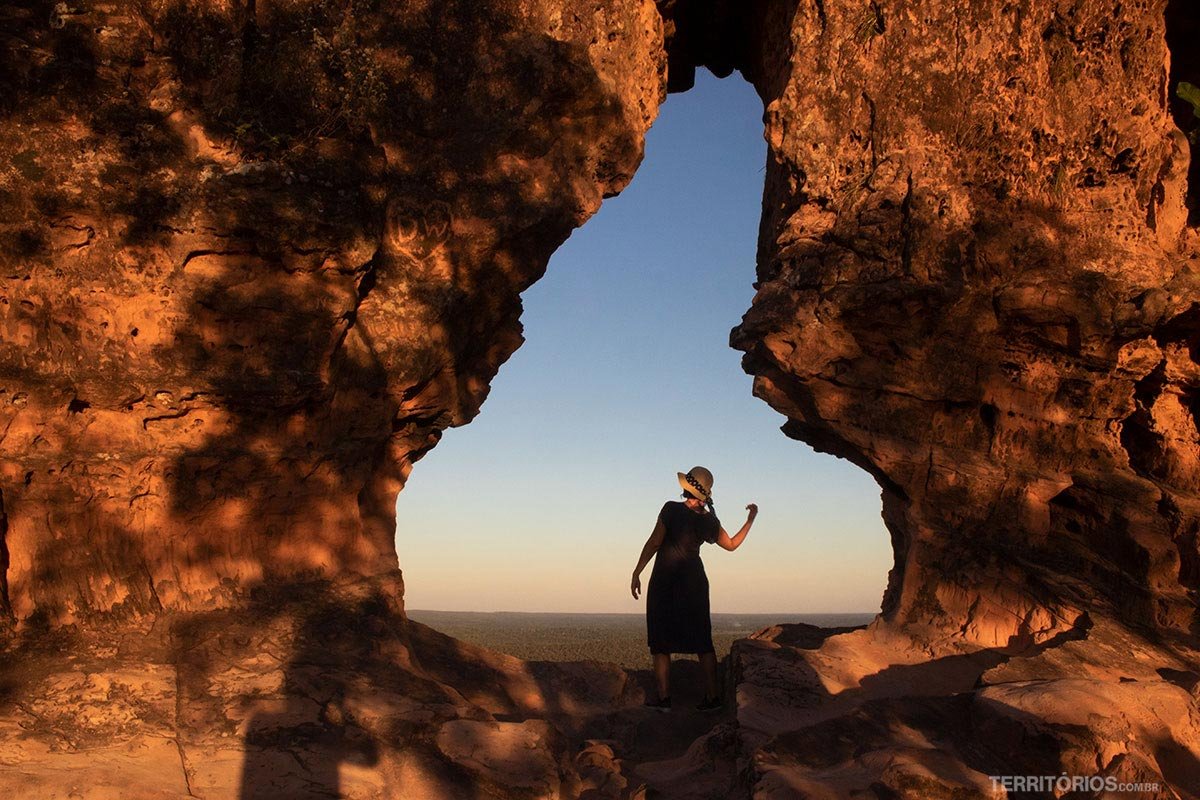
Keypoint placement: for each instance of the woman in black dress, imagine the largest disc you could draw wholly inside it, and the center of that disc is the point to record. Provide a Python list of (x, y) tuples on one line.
[(677, 612)]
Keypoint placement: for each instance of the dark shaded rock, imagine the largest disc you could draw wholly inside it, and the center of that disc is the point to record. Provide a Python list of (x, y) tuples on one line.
[(255, 258), (977, 283)]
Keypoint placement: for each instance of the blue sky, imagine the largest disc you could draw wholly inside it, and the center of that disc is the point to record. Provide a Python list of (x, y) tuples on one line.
[(626, 378)]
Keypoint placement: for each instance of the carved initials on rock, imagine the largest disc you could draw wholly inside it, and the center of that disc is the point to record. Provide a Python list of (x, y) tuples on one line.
[(416, 229)]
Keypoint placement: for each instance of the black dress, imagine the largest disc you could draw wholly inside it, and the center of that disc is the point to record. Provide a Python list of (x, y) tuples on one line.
[(677, 618)]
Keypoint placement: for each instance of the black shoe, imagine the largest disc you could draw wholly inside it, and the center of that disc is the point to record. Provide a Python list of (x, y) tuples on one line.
[(663, 704), (709, 704)]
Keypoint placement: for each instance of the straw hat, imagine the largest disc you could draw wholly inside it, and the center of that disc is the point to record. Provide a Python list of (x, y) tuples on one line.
[(698, 481)]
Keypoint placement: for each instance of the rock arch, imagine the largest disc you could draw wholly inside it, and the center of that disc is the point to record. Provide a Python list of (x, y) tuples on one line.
[(256, 257), (984, 224)]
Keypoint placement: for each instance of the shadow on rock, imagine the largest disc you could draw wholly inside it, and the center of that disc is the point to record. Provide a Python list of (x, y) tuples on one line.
[(314, 732)]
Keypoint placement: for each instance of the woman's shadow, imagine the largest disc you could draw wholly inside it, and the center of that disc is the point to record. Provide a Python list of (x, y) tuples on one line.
[(295, 751)]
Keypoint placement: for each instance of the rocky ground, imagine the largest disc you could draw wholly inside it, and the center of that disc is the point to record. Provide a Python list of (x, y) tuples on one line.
[(329, 697), (318, 693), (880, 713), (256, 257)]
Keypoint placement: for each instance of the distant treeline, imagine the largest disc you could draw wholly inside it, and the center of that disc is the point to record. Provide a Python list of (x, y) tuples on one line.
[(619, 638)]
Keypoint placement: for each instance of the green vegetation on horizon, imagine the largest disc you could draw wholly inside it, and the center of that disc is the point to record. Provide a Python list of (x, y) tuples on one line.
[(618, 638)]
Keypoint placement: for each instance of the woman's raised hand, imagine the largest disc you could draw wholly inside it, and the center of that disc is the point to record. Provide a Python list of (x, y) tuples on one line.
[(753, 509), (636, 586)]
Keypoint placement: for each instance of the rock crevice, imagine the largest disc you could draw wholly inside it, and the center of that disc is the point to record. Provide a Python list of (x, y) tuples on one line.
[(949, 305)]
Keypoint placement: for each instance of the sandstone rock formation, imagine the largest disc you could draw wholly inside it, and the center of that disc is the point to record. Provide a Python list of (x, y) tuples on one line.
[(254, 258), (976, 282), (257, 257)]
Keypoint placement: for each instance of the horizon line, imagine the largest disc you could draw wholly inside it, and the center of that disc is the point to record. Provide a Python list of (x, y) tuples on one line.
[(642, 613)]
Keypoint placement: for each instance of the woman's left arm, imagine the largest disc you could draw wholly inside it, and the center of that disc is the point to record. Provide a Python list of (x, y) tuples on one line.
[(648, 551), (732, 543)]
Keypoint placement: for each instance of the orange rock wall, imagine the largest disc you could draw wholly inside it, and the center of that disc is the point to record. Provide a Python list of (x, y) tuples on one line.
[(252, 263), (976, 281), (255, 261)]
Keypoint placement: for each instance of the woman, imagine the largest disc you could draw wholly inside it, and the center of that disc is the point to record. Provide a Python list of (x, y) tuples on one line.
[(677, 617)]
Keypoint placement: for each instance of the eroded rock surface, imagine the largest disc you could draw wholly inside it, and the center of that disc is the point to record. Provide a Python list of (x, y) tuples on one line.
[(255, 258), (829, 714), (305, 691), (976, 281)]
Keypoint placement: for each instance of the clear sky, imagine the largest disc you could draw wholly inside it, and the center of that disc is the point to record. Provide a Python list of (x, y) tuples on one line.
[(544, 501)]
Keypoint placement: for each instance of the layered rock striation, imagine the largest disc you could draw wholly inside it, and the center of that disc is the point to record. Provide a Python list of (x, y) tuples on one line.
[(255, 258), (976, 281)]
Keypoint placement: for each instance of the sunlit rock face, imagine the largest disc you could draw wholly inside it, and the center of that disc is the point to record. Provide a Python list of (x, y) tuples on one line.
[(254, 258), (255, 263), (976, 281)]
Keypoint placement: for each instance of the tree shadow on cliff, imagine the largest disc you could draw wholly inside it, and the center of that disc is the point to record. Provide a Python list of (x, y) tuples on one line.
[(24, 655), (454, 120), (311, 164), (67, 75), (316, 679), (293, 365), (315, 729), (278, 164), (275, 166), (59, 80)]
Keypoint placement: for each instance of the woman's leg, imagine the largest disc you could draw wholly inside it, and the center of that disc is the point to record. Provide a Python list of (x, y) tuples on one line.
[(662, 674), (709, 662)]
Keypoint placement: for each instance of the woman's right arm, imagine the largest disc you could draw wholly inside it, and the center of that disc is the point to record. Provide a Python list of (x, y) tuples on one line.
[(732, 543), (648, 551)]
